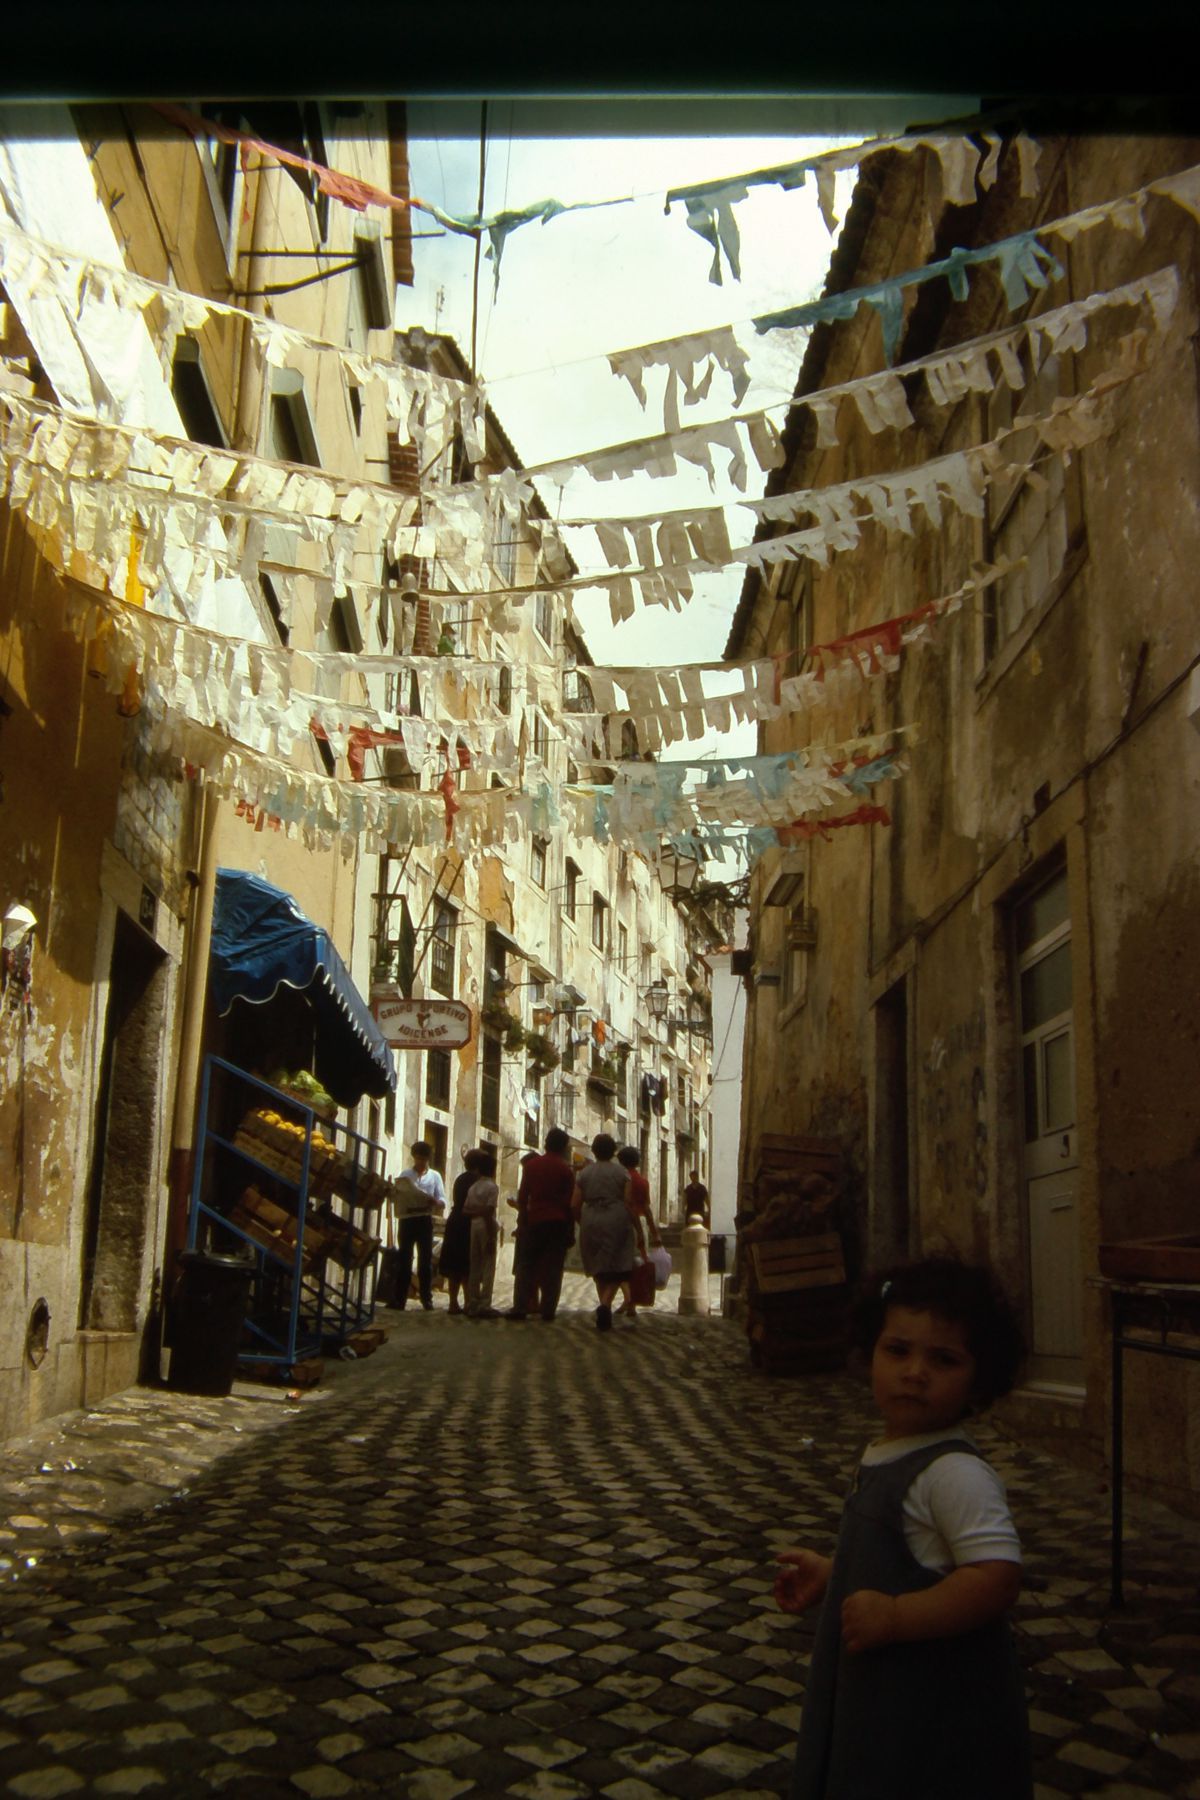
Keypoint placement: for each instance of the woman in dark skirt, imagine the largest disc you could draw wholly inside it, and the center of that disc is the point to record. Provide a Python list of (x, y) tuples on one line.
[(454, 1264)]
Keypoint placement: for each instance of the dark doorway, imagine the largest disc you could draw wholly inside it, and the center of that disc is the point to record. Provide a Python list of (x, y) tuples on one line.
[(123, 1175), (889, 1224)]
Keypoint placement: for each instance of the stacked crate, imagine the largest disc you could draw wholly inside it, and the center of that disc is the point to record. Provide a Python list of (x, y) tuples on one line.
[(794, 1256)]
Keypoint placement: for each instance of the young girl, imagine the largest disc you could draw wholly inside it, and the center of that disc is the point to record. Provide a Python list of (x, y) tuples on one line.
[(915, 1692)]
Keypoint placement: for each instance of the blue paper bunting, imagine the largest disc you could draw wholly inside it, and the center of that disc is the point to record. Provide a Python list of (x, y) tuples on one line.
[(1022, 263)]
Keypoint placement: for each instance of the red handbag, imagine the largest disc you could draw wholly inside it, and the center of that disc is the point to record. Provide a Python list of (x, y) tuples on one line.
[(641, 1284)]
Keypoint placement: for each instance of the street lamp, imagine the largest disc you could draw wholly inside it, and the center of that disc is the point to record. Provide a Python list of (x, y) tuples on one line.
[(657, 997), (679, 872)]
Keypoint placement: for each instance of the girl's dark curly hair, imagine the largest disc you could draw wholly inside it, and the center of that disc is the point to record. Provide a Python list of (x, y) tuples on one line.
[(966, 1294)]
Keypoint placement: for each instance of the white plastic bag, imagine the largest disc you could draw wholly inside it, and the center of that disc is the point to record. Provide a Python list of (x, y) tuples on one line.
[(660, 1256)]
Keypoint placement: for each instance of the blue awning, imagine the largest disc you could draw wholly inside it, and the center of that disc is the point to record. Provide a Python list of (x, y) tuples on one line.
[(262, 941)]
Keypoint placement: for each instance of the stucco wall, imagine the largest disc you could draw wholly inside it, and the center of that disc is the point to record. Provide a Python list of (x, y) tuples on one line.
[(1071, 744)]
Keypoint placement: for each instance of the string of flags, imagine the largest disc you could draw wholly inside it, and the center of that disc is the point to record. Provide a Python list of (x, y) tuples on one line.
[(148, 513), (422, 401), (94, 482), (708, 205)]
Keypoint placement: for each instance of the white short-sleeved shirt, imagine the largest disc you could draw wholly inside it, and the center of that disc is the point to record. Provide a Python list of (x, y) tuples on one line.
[(956, 1510)]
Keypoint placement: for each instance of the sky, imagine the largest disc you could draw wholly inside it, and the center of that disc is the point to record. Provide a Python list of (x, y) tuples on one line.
[(588, 283)]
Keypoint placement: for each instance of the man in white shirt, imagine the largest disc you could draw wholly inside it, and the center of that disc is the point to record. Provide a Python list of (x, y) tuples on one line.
[(416, 1228)]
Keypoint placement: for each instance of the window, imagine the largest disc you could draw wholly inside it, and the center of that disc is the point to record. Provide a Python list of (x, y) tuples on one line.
[(798, 596), (622, 949), (571, 876), (504, 689), (495, 963), (290, 434), (296, 125), (543, 617), (192, 395), (541, 738), (797, 942), (577, 693), (532, 1109), (398, 772), (437, 1079), (343, 631), (629, 741), (269, 594), (504, 552), (222, 168), (441, 949), (599, 909), (537, 860), (489, 1090)]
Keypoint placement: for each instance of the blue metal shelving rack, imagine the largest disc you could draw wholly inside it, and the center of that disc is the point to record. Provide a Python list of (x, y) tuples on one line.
[(294, 1312)]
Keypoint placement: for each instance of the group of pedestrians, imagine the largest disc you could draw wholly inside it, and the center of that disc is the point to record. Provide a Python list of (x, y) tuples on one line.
[(608, 1199)]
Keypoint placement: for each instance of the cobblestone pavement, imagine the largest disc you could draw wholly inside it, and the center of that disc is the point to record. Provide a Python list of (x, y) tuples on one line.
[(505, 1559)]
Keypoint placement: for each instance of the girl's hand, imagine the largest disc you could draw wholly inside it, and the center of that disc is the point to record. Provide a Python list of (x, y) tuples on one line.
[(801, 1579), (868, 1620)]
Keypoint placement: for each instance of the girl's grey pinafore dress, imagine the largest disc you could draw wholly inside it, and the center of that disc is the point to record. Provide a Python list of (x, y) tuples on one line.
[(940, 1720)]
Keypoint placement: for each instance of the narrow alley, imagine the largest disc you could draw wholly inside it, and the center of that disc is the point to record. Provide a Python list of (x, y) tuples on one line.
[(500, 1559)]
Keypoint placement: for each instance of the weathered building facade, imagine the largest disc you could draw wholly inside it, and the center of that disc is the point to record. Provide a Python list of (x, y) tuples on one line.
[(107, 842), (232, 640), (987, 997), (560, 945)]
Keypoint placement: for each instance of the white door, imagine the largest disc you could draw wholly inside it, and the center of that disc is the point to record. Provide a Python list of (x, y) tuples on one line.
[(1051, 1160)]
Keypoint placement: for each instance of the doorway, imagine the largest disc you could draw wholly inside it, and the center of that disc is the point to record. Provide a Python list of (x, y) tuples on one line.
[(125, 1135), (1050, 1157)]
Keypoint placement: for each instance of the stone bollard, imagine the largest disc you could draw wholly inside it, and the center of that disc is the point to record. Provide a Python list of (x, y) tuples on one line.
[(693, 1268)]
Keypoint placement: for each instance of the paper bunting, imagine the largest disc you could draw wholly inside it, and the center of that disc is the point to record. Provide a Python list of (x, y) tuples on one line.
[(1022, 263)]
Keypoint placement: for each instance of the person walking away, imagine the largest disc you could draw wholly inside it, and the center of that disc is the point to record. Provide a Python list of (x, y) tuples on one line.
[(644, 1224), (520, 1234), (606, 1234), (547, 1228), (454, 1264), (914, 1690), (480, 1206), (695, 1197), (416, 1229)]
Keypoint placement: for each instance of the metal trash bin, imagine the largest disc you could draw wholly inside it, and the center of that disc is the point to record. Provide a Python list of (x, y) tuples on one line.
[(716, 1254), (209, 1310), (387, 1281)]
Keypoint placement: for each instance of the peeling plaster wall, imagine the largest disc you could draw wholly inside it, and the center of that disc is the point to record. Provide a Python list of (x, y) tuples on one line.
[(1073, 744)]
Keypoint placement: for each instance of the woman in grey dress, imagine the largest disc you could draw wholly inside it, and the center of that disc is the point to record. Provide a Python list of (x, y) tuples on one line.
[(606, 1234)]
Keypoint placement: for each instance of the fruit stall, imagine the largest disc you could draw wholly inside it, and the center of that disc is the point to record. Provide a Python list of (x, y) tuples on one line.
[(276, 1176), (276, 1172)]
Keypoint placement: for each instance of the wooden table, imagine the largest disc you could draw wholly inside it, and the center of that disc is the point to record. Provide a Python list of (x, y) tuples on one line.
[(1161, 1313)]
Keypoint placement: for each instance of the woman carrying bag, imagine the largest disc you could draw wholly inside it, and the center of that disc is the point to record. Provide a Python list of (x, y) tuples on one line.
[(638, 1290), (606, 1232)]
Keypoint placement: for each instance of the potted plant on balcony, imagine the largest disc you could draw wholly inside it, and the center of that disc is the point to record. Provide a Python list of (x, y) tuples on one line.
[(543, 1055), (500, 1022), (606, 1074)]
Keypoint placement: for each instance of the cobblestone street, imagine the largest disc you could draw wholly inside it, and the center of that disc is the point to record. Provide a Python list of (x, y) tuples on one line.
[(513, 1559)]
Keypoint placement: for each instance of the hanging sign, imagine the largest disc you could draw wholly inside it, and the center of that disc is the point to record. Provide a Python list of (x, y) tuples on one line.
[(421, 1024)]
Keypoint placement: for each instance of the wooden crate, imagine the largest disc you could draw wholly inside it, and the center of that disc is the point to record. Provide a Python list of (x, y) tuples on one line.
[(274, 1228), (781, 1154), (782, 1265)]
